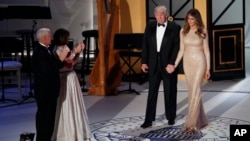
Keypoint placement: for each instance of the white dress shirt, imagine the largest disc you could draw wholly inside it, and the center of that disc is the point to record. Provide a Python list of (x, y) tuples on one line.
[(160, 30)]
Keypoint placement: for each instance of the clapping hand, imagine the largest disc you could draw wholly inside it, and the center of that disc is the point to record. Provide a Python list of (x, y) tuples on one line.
[(79, 48)]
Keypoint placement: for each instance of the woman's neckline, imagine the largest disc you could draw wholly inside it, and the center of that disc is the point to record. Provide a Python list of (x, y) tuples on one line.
[(194, 28)]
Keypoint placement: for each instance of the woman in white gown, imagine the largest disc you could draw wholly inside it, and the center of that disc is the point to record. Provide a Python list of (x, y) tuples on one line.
[(71, 122)]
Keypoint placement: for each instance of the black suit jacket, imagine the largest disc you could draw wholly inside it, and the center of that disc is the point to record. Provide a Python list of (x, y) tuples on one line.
[(45, 68), (169, 46)]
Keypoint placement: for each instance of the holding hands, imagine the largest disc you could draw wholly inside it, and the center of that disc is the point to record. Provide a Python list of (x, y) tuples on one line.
[(144, 68), (170, 68)]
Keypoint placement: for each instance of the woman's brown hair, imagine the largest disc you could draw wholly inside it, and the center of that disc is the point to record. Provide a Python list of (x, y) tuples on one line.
[(61, 37), (200, 25)]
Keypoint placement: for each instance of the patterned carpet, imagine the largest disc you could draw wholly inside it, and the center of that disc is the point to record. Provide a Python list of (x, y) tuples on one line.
[(172, 133), (128, 129)]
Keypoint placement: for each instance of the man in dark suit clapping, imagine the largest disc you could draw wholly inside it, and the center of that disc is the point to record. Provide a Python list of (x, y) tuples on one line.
[(159, 51)]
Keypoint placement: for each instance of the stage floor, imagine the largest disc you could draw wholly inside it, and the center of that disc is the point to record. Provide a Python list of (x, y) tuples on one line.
[(119, 117)]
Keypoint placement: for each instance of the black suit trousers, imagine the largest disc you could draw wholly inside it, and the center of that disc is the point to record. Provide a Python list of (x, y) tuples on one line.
[(45, 118), (170, 94)]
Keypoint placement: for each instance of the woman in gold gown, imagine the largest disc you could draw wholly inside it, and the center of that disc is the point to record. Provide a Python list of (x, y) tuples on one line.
[(195, 52)]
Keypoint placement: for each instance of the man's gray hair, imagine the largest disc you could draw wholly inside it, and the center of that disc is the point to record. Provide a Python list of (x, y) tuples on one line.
[(42, 32), (161, 8)]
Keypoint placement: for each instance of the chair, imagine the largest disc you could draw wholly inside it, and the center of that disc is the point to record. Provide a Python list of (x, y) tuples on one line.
[(88, 51), (10, 51)]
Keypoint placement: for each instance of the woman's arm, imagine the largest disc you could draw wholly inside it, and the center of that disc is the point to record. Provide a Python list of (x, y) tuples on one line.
[(181, 50), (207, 55), (62, 52), (73, 59)]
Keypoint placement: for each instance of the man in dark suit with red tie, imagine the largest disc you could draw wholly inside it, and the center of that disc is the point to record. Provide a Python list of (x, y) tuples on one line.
[(159, 51), (45, 67)]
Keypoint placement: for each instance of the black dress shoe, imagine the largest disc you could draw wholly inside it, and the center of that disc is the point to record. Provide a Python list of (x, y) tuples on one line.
[(146, 124), (171, 122)]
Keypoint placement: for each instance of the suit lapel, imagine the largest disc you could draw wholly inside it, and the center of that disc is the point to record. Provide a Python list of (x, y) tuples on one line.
[(153, 35), (165, 36)]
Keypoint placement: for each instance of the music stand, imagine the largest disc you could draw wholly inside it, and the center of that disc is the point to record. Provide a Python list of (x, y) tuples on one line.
[(128, 41), (28, 12)]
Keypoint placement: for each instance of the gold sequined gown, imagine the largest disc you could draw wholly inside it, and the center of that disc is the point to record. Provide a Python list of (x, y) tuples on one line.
[(196, 59)]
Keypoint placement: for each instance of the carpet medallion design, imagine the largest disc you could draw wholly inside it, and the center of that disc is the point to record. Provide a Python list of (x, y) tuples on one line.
[(128, 129)]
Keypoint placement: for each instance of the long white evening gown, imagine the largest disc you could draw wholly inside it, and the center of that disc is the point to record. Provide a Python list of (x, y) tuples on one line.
[(71, 122)]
